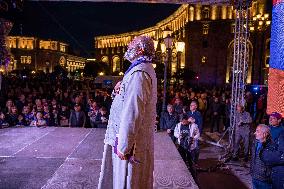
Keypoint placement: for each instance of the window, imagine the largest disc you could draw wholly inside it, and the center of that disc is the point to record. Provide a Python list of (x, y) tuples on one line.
[(205, 13), (233, 28), (62, 48), (205, 29), (26, 59), (203, 59)]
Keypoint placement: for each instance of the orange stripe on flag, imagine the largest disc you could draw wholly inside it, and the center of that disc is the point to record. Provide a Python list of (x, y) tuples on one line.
[(275, 97)]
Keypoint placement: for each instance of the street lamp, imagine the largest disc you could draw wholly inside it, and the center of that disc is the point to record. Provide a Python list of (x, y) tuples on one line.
[(180, 48), (168, 42)]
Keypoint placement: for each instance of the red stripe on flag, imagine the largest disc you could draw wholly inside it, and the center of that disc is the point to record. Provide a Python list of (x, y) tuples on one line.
[(277, 1), (275, 96)]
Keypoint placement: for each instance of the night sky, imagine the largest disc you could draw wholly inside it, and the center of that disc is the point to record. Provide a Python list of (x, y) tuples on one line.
[(76, 23)]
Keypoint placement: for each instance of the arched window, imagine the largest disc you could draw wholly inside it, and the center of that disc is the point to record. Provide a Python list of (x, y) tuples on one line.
[(115, 64), (205, 13), (230, 59)]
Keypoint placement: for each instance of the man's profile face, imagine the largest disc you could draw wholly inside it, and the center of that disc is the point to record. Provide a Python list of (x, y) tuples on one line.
[(259, 134)]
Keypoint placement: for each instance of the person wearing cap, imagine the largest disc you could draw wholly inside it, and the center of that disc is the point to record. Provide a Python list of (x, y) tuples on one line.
[(242, 131), (274, 124), (128, 158), (273, 155)]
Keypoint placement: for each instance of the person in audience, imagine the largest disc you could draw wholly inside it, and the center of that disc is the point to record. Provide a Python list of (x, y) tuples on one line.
[(3, 122), (260, 172), (193, 112), (9, 104), (102, 118), (275, 125), (242, 131), (27, 114), (63, 116), (93, 113), (178, 106), (39, 121), (77, 117), (48, 116), (273, 155), (12, 117), (215, 111), (187, 134), (169, 120)]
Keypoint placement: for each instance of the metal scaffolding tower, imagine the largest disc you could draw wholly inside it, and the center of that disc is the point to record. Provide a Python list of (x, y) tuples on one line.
[(240, 61)]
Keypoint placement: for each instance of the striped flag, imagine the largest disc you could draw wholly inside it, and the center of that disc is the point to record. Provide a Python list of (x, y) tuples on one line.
[(275, 99)]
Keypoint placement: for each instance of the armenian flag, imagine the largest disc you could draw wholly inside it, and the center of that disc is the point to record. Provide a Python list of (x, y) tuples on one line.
[(275, 101)]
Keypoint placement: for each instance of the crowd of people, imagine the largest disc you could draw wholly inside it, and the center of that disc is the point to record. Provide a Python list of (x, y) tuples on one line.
[(260, 135), (188, 113), (68, 103)]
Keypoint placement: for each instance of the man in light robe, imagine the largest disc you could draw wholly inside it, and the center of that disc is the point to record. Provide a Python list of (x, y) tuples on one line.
[(128, 159)]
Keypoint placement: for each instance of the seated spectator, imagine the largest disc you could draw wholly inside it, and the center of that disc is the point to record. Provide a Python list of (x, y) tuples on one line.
[(260, 173), (102, 118), (77, 117), (3, 122), (39, 121), (9, 104), (48, 116), (93, 112), (168, 121), (63, 116), (28, 115), (21, 121), (55, 116), (12, 117)]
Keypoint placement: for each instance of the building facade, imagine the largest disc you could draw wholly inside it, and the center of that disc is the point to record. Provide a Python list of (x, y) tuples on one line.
[(41, 55), (208, 33)]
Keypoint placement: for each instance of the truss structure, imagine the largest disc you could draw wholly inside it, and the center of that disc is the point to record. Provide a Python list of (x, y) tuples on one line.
[(240, 62)]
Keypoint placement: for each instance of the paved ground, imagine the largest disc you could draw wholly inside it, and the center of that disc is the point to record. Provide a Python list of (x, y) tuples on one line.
[(236, 176), (58, 158)]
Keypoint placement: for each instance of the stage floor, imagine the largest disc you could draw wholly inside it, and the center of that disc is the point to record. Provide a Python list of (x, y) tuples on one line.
[(54, 157)]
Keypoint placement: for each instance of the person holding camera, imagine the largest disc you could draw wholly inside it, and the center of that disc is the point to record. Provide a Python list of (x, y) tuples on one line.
[(187, 134)]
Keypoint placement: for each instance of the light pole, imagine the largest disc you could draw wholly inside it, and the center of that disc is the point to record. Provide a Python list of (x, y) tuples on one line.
[(168, 42), (180, 48)]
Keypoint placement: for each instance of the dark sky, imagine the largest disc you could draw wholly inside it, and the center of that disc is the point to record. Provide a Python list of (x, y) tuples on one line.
[(77, 23)]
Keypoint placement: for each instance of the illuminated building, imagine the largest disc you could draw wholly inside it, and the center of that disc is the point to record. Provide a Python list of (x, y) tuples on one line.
[(208, 33), (38, 54)]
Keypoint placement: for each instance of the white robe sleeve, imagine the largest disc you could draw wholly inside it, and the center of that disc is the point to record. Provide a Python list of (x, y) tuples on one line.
[(137, 93)]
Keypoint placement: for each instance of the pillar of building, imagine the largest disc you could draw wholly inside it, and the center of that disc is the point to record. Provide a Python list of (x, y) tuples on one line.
[(275, 101)]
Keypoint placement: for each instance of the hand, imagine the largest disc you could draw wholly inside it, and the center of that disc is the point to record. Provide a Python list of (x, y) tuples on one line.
[(169, 131), (121, 156)]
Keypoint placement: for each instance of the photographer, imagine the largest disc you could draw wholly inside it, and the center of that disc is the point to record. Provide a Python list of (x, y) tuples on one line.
[(187, 134)]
